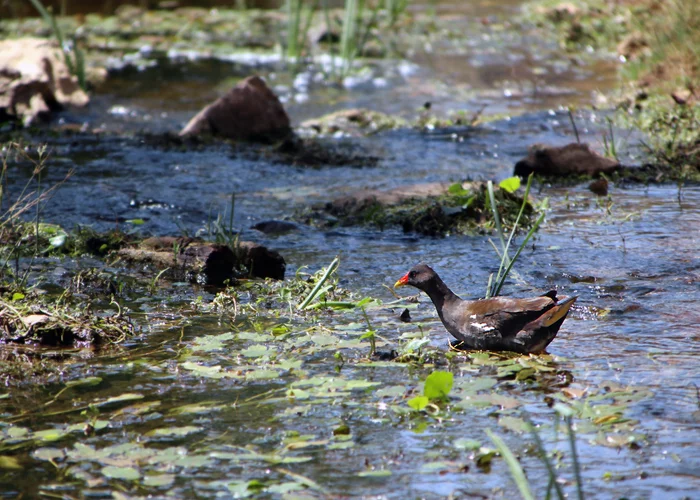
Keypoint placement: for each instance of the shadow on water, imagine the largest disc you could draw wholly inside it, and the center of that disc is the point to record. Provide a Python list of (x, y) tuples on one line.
[(203, 404)]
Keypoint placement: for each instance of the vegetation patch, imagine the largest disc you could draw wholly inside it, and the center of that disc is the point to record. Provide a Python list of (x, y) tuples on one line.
[(33, 319), (658, 43), (431, 210)]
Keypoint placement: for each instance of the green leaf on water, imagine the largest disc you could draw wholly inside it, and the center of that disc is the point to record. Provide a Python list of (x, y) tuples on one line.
[(515, 424), (438, 385), (467, 444), (258, 351), (120, 399), (174, 431), (418, 403), (87, 381), (511, 184), (159, 480), (48, 453), (374, 473), (49, 435), (17, 432), (203, 371), (126, 473), (136, 222), (262, 375)]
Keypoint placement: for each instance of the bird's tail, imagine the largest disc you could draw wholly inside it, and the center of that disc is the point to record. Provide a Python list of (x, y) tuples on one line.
[(560, 311)]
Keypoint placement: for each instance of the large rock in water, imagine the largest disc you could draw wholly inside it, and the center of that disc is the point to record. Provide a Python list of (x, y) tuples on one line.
[(207, 262), (34, 80), (572, 159), (250, 111)]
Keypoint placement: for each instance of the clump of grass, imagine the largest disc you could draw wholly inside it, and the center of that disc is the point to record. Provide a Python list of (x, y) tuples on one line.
[(358, 19), (29, 319), (18, 237), (494, 286), (553, 483), (73, 56), (299, 19)]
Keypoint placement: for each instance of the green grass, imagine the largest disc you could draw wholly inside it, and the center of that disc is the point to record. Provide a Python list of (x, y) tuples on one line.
[(494, 286), (75, 59)]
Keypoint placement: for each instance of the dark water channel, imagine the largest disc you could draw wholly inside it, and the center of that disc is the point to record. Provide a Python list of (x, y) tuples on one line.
[(632, 341)]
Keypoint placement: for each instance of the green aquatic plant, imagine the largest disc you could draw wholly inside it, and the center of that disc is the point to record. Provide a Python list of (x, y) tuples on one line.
[(320, 288), (75, 61), (494, 286), (436, 389), (299, 18), (553, 483)]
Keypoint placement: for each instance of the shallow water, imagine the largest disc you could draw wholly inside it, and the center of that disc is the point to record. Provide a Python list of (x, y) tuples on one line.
[(632, 259)]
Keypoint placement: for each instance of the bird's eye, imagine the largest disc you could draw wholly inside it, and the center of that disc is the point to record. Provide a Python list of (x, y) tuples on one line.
[(412, 274)]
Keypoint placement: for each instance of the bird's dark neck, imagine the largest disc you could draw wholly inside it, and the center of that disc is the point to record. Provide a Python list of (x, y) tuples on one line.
[(440, 294)]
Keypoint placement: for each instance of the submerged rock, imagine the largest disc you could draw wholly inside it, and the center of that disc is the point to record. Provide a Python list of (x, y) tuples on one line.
[(572, 159), (275, 227), (433, 209), (209, 262), (35, 81), (250, 111)]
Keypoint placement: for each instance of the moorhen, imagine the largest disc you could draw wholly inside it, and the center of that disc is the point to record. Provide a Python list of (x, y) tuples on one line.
[(495, 324)]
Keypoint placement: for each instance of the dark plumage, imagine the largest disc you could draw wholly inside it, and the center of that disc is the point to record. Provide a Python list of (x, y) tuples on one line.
[(495, 324)]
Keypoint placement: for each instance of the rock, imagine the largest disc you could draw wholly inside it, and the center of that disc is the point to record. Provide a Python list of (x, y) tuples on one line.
[(599, 187), (633, 46), (250, 111), (359, 201), (209, 262), (35, 81), (572, 159), (275, 227), (261, 262), (682, 96)]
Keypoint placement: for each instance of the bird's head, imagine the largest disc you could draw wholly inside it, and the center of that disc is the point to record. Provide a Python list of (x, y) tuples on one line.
[(419, 276)]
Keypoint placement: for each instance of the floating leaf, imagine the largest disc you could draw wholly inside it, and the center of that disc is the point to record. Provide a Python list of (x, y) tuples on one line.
[(174, 431), (49, 435), (438, 385), (159, 480), (375, 473), (418, 403), (515, 424), (262, 374), (257, 351), (467, 444), (127, 473), (87, 381), (120, 399), (48, 454)]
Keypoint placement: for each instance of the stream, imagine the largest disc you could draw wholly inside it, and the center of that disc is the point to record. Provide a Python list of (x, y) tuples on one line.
[(196, 406)]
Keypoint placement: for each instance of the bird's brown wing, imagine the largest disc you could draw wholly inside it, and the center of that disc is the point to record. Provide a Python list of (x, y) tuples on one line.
[(509, 316)]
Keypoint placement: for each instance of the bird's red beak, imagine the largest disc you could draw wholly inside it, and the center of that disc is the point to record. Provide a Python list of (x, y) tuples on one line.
[(402, 282)]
